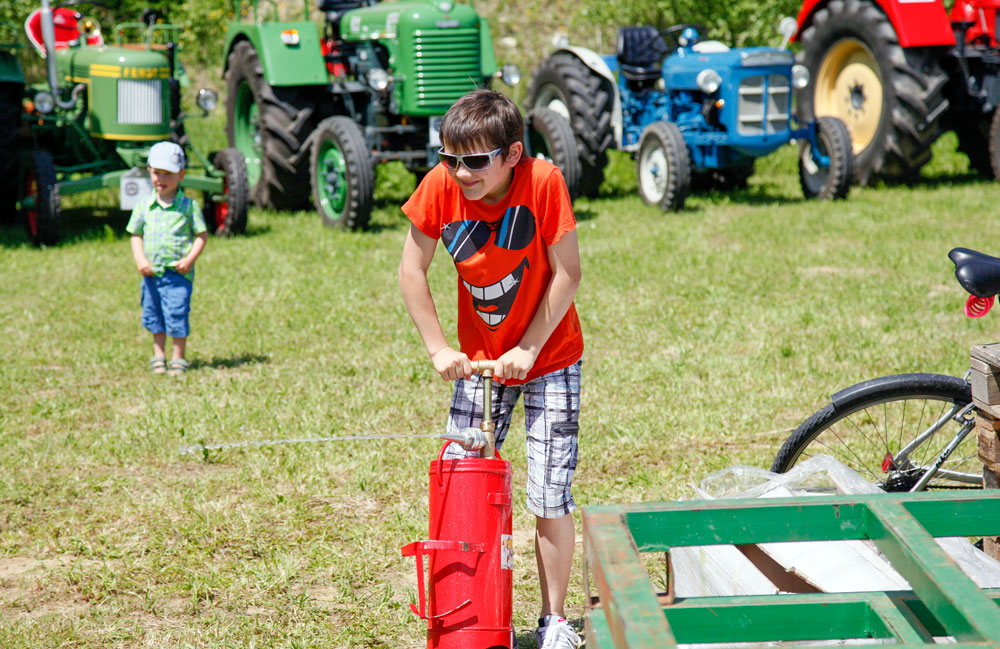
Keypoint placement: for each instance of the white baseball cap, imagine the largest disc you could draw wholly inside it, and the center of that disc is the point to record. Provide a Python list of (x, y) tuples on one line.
[(167, 156)]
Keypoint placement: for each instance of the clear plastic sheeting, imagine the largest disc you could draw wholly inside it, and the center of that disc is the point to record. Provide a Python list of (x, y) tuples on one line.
[(824, 566)]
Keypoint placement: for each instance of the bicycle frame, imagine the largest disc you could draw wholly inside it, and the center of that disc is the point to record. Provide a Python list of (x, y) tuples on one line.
[(960, 414)]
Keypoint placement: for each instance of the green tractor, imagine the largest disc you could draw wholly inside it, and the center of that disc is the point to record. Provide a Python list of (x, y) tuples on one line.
[(313, 111), (90, 124), (11, 89)]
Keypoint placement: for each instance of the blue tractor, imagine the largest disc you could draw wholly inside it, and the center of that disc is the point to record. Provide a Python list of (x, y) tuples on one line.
[(693, 112)]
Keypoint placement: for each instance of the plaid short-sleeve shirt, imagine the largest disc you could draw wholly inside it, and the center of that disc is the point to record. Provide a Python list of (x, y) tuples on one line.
[(167, 232)]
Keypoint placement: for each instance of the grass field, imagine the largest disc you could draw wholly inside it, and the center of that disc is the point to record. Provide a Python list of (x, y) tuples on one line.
[(710, 334)]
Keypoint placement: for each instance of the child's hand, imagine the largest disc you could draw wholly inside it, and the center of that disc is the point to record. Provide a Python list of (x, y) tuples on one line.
[(145, 268), (184, 265), (451, 364), (514, 364)]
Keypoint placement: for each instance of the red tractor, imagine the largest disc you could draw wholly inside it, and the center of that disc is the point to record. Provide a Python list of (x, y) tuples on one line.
[(901, 72)]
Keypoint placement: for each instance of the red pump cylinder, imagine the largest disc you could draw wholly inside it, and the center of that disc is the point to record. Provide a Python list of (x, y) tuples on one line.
[(467, 598)]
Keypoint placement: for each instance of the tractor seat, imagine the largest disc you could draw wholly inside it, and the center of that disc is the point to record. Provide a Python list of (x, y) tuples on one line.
[(65, 21), (339, 6), (640, 52)]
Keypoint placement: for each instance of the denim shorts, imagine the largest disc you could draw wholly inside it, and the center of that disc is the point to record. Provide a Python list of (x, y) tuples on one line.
[(552, 420), (166, 303)]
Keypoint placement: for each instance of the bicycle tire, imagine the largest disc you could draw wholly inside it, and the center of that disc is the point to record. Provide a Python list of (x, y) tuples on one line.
[(867, 424)]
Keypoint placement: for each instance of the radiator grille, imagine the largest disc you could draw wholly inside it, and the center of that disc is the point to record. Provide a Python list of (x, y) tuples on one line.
[(764, 105), (447, 66), (140, 101)]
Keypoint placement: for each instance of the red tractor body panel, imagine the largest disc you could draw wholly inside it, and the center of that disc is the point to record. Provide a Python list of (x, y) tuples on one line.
[(983, 16), (918, 23)]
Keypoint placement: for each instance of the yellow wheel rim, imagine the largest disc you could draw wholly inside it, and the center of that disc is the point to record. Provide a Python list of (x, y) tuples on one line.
[(848, 86)]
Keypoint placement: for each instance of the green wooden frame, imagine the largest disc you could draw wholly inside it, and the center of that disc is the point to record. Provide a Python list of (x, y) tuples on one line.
[(626, 612)]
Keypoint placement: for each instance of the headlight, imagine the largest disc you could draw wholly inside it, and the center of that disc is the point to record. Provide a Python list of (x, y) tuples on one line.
[(378, 79), (708, 80), (800, 76), (510, 74), (290, 36), (44, 102), (208, 99)]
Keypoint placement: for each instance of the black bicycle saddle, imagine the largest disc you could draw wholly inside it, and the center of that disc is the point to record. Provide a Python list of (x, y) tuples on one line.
[(978, 274)]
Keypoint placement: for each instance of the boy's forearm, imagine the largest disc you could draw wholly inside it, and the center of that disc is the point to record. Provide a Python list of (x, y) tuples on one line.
[(199, 244), (138, 254), (555, 303), (564, 259), (420, 306)]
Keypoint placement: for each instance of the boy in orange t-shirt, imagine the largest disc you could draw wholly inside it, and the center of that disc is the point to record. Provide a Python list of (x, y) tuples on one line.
[(507, 222)]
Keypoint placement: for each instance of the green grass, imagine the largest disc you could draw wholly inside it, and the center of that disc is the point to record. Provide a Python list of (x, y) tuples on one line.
[(710, 333)]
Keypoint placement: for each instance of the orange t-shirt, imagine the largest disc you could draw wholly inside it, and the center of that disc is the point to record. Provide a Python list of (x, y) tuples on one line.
[(501, 255)]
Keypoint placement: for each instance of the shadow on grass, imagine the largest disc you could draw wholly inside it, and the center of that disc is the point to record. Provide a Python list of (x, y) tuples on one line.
[(229, 363)]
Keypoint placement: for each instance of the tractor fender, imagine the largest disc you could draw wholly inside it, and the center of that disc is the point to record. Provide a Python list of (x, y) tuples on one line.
[(596, 62), (918, 23), (299, 64)]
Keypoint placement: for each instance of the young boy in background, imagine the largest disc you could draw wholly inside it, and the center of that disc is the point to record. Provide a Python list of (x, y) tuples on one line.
[(507, 222), (168, 234)]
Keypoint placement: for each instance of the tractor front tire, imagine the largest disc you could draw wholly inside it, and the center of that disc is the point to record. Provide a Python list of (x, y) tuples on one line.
[(550, 138), (36, 178), (891, 99), (664, 166), (564, 84), (834, 180), (10, 117), (269, 126), (228, 216), (343, 178)]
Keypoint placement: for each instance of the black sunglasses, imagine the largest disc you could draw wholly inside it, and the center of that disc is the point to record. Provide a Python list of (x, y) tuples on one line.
[(472, 161)]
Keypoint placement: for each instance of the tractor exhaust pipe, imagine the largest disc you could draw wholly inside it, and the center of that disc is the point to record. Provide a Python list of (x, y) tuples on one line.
[(49, 39)]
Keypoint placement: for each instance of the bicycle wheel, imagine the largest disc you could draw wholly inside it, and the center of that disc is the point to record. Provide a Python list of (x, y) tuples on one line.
[(891, 430)]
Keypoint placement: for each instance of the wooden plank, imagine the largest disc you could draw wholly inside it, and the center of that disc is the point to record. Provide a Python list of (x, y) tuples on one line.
[(964, 611), (985, 388), (633, 614), (988, 354)]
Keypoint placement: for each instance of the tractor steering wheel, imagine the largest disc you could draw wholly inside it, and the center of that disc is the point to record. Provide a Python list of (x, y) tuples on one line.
[(672, 35)]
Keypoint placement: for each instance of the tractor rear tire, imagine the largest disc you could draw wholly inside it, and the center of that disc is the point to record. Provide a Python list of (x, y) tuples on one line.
[(269, 126), (835, 143), (229, 215), (37, 178), (343, 178), (891, 99), (10, 116), (664, 166), (563, 83), (550, 138)]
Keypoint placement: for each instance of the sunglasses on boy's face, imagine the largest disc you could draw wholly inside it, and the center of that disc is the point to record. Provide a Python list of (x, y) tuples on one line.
[(472, 161)]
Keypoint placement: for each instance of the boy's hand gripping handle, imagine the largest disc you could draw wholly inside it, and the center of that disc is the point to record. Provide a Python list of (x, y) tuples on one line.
[(484, 439)]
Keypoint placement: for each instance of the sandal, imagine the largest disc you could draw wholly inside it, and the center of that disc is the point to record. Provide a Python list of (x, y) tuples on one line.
[(178, 366), (158, 365)]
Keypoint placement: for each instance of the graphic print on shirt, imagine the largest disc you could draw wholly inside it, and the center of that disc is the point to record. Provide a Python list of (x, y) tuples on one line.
[(492, 299)]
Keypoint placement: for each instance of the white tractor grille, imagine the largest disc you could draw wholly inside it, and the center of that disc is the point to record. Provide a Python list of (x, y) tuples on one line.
[(764, 105), (140, 102)]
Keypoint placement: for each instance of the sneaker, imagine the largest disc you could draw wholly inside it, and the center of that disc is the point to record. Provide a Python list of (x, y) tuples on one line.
[(554, 632)]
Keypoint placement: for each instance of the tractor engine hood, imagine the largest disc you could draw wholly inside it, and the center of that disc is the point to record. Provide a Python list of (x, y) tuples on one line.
[(680, 70), (127, 92)]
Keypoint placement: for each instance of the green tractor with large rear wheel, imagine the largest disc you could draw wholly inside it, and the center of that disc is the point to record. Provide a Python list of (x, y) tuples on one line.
[(313, 110), (89, 125)]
